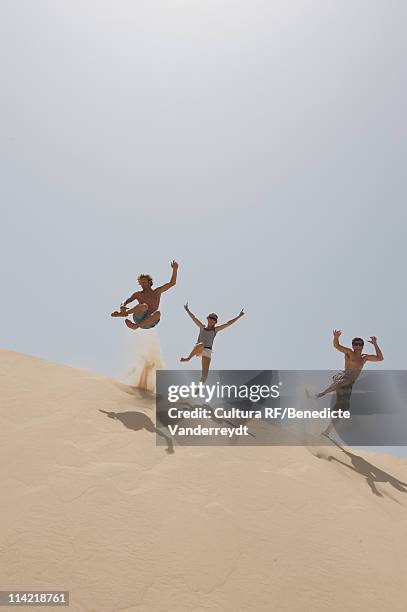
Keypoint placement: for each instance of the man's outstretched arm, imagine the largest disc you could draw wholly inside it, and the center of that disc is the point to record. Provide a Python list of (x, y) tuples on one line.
[(379, 354), (193, 317), (173, 280), (130, 299), (339, 347), (219, 328)]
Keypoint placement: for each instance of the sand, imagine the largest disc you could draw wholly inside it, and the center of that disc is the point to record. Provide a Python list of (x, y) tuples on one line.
[(91, 505)]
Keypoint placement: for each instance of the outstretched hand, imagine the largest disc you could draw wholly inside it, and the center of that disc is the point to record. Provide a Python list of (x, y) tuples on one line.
[(337, 333), (174, 265), (373, 340), (186, 307), (242, 313)]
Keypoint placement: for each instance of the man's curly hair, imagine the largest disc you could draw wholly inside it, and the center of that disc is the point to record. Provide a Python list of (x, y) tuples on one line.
[(147, 276)]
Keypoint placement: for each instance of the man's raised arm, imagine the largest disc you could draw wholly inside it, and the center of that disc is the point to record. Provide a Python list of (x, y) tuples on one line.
[(339, 347), (173, 280), (379, 354)]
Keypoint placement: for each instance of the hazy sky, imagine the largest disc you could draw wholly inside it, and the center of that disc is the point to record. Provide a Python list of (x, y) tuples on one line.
[(260, 143)]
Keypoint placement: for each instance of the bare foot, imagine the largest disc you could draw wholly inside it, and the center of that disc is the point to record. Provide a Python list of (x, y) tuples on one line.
[(131, 324), (184, 359), (119, 313)]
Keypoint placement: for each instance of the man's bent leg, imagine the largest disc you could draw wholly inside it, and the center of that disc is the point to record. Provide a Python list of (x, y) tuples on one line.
[(154, 318), (333, 387), (139, 309), (124, 312)]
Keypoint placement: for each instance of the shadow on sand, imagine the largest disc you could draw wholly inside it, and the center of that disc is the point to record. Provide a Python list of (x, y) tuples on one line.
[(370, 472), (138, 421)]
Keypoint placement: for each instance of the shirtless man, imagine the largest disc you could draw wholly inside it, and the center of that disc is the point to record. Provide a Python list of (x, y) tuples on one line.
[(203, 346), (146, 313), (354, 363)]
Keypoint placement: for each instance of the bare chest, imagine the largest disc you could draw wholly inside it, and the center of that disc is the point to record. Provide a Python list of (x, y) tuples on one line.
[(151, 298), (354, 362)]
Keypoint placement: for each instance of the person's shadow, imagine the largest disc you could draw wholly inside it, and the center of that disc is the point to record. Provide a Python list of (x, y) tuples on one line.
[(138, 421), (370, 472)]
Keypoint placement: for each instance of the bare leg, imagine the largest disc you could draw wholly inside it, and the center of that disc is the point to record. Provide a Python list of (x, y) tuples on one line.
[(139, 309), (333, 387), (124, 312), (328, 430), (120, 313), (151, 319), (196, 351), (205, 368)]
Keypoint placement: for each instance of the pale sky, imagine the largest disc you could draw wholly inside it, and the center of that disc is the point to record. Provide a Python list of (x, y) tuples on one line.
[(262, 144)]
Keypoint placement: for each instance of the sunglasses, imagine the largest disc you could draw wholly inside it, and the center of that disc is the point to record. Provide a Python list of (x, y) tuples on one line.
[(213, 318), (358, 344)]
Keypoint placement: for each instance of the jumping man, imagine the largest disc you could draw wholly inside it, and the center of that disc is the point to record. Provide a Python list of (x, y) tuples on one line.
[(146, 313), (354, 362)]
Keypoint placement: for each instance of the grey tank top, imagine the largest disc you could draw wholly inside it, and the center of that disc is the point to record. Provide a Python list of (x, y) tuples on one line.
[(207, 336)]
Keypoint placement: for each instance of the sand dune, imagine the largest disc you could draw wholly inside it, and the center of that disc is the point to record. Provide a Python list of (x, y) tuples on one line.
[(91, 505)]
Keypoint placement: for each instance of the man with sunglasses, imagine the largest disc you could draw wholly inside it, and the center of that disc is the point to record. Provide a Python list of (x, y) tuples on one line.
[(354, 362), (203, 346)]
